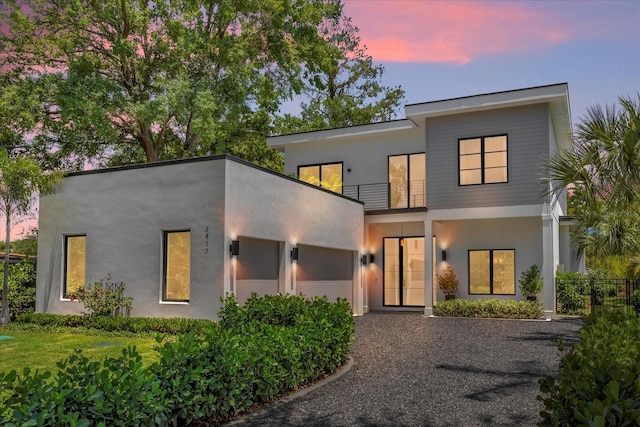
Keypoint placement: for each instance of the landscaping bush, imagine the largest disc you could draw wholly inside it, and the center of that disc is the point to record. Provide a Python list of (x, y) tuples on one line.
[(170, 325), (22, 288), (102, 298), (493, 308), (271, 345), (572, 292), (635, 301), (599, 378)]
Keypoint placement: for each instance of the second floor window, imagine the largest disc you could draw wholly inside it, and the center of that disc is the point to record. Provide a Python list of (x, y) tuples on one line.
[(483, 160), (328, 175), (407, 181)]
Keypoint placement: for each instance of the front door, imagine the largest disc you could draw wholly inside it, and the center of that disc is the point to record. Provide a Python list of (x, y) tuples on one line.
[(404, 271)]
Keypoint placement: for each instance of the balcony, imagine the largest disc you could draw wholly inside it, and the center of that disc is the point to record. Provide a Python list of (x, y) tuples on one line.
[(387, 196)]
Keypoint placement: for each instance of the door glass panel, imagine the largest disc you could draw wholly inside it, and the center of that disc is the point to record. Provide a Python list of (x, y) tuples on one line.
[(391, 271), (413, 271), (417, 180), (398, 181)]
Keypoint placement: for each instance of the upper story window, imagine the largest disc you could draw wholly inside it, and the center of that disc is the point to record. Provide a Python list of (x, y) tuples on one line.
[(327, 175), (483, 160), (177, 266), (74, 263), (407, 181)]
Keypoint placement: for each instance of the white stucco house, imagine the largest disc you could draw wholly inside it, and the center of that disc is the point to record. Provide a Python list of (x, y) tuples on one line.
[(376, 212)]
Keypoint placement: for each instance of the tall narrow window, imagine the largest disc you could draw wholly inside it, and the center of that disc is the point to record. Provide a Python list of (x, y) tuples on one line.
[(492, 272), (483, 160), (177, 265), (327, 176), (407, 181), (74, 263)]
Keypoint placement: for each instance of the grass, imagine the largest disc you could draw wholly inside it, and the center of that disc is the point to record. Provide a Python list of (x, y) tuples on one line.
[(42, 350)]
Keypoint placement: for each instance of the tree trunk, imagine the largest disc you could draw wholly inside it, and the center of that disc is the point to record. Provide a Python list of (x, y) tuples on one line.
[(4, 315)]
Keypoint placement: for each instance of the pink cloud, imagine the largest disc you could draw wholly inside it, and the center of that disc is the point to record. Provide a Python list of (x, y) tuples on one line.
[(458, 32)]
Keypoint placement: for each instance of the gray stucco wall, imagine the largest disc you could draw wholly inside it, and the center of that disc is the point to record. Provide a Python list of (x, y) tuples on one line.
[(528, 141), (123, 214)]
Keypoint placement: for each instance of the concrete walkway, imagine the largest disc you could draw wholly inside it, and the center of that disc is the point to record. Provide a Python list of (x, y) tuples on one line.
[(415, 371)]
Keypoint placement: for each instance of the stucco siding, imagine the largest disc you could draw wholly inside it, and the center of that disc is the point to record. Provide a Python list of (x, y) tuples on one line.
[(123, 214), (528, 140)]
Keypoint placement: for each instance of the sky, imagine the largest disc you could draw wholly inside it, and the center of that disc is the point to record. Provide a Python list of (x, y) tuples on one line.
[(445, 49)]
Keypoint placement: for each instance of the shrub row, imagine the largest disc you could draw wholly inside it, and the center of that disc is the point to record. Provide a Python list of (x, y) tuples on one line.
[(574, 290), (494, 308), (599, 378), (117, 324), (269, 346)]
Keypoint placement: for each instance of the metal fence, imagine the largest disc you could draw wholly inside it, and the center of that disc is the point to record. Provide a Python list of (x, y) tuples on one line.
[(582, 294)]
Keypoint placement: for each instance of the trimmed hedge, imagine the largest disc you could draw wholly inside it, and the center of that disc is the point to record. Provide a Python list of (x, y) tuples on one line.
[(174, 325), (270, 346), (491, 308), (599, 378)]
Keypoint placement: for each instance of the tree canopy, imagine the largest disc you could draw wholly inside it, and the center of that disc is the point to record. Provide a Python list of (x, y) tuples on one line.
[(603, 173), (346, 89), (20, 178), (151, 80)]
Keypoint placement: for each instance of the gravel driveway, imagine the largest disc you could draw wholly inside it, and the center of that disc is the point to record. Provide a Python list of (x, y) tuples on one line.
[(415, 371)]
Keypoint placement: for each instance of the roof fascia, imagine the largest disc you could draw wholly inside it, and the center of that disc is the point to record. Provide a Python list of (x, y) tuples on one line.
[(280, 142)]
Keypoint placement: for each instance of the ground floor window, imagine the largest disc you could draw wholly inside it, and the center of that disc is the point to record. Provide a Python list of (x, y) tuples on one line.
[(177, 265), (404, 271), (74, 263), (492, 272)]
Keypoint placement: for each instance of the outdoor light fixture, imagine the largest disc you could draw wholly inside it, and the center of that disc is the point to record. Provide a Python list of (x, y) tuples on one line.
[(372, 258), (363, 259), (444, 255), (234, 248), (294, 254)]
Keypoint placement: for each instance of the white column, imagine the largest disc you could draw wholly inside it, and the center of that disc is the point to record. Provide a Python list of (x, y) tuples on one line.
[(548, 263), (428, 268), (358, 274)]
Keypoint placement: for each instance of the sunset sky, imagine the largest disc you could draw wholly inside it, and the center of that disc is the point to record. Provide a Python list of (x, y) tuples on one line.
[(443, 49)]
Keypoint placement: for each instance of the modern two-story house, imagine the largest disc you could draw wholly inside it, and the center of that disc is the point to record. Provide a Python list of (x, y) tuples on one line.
[(457, 182), (376, 211)]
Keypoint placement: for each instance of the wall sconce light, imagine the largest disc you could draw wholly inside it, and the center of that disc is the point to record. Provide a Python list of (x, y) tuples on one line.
[(234, 248), (294, 254), (363, 259), (372, 258), (444, 255)]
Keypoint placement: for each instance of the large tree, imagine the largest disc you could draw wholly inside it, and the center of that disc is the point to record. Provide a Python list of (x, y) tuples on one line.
[(347, 88), (149, 80), (603, 173), (20, 178)]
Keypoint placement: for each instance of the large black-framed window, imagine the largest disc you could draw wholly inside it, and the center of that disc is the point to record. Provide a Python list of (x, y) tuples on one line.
[(483, 160), (492, 272), (176, 265), (75, 259), (325, 175), (407, 176)]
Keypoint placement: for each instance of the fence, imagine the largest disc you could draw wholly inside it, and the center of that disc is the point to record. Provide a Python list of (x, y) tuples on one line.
[(581, 294)]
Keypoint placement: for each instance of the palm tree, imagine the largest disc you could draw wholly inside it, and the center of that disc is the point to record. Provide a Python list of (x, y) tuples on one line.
[(603, 171), (20, 178)]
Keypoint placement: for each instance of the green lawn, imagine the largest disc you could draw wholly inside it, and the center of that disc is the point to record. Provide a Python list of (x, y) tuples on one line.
[(42, 350)]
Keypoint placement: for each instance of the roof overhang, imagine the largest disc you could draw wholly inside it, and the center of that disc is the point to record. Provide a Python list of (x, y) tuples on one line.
[(556, 96)]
